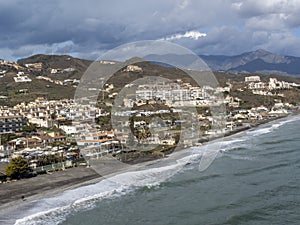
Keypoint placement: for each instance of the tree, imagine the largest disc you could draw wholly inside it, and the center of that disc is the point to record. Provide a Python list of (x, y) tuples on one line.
[(17, 168), (29, 128), (53, 116), (5, 138)]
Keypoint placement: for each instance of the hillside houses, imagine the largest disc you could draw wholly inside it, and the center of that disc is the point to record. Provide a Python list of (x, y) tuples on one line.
[(252, 79), (37, 66), (133, 68), (59, 70), (22, 78), (275, 84)]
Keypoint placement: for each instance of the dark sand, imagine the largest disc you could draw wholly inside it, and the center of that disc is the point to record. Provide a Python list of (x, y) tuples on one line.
[(55, 182)]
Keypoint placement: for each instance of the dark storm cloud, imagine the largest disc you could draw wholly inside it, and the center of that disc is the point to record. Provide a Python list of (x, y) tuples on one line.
[(87, 28)]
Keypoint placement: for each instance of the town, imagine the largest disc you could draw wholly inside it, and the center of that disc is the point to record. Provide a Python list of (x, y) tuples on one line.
[(48, 136)]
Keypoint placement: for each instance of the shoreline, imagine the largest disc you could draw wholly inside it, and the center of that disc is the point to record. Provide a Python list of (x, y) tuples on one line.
[(47, 185)]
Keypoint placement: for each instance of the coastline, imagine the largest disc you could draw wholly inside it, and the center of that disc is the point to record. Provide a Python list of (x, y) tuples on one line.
[(48, 185), (44, 185)]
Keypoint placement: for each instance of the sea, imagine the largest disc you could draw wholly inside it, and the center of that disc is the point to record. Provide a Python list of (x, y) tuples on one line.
[(254, 180)]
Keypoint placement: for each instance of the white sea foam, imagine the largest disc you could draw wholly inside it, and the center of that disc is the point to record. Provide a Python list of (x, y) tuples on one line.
[(239, 157), (54, 210), (278, 124), (260, 131)]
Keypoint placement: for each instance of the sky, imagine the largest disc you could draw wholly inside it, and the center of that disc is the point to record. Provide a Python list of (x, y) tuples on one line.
[(88, 28)]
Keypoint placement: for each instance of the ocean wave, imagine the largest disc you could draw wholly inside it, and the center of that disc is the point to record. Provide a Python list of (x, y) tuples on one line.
[(46, 211), (239, 157), (273, 127), (49, 216)]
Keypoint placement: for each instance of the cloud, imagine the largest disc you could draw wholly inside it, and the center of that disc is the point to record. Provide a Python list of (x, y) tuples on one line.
[(189, 34), (269, 14), (85, 28)]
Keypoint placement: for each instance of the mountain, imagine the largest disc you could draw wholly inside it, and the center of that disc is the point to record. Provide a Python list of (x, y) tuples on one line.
[(259, 61)]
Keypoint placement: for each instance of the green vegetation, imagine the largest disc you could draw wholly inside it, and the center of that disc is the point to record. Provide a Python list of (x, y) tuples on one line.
[(104, 122), (18, 168), (50, 159), (5, 138), (29, 128)]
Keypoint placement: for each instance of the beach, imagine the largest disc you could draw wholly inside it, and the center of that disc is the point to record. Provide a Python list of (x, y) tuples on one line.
[(48, 185), (44, 185)]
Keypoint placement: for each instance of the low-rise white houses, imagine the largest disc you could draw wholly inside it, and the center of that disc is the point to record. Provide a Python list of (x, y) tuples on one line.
[(21, 78), (252, 79), (256, 85)]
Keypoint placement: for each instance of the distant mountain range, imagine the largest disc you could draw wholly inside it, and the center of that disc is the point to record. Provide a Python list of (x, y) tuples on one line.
[(259, 61)]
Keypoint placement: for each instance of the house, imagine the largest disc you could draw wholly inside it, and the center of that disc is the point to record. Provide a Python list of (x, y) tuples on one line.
[(105, 139), (257, 85), (21, 78), (69, 130), (37, 66), (54, 71), (252, 79), (169, 141), (21, 143), (40, 122), (133, 68), (52, 137), (275, 84)]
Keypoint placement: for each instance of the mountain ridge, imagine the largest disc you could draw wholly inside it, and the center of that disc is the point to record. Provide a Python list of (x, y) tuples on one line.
[(259, 61)]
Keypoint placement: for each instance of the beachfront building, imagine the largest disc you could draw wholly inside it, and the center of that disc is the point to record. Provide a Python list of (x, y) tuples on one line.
[(98, 139)]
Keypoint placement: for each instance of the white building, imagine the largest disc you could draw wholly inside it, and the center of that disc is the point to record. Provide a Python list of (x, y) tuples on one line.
[(42, 122), (252, 79), (70, 130), (257, 85), (275, 84), (22, 78), (133, 68)]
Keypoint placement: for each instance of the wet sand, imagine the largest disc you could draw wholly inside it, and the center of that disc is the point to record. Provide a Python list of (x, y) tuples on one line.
[(55, 182)]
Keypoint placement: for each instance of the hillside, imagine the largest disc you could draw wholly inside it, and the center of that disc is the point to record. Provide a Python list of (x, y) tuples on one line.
[(55, 77), (68, 67), (52, 77), (12, 93)]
